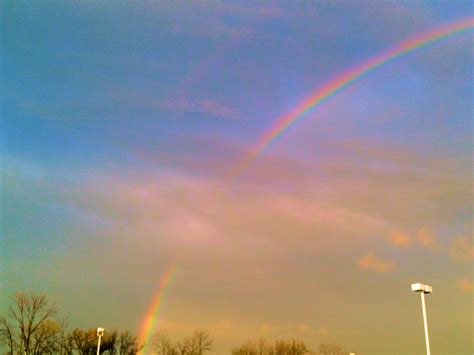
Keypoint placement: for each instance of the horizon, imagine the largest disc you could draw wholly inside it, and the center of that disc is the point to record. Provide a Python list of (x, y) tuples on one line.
[(139, 138)]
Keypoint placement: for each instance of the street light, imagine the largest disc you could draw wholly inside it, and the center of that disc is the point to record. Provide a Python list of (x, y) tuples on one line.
[(422, 289), (100, 332)]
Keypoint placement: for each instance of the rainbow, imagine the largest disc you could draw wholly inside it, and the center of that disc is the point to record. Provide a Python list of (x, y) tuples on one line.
[(333, 86), (148, 322)]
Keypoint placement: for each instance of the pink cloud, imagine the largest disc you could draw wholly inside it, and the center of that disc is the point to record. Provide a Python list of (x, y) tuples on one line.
[(208, 18), (260, 12), (305, 329), (370, 262), (399, 239), (205, 106), (181, 210), (465, 285), (425, 237), (218, 109)]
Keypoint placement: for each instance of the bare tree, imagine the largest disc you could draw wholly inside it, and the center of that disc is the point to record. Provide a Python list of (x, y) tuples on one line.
[(332, 349), (7, 334), (127, 344), (263, 348), (197, 344), (162, 345), (259, 347), (281, 347), (65, 346), (68, 345), (84, 341), (182, 347), (292, 347), (109, 341), (200, 342), (26, 316), (45, 340)]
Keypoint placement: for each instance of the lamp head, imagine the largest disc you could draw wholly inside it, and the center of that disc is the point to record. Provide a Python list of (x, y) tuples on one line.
[(100, 332), (419, 287)]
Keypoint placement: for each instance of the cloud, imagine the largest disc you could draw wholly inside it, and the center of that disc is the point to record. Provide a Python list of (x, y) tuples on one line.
[(399, 239), (121, 103), (304, 328), (462, 249), (465, 285), (370, 262), (309, 330), (210, 19), (425, 237), (323, 332), (218, 109), (260, 11), (418, 193), (180, 210), (205, 106)]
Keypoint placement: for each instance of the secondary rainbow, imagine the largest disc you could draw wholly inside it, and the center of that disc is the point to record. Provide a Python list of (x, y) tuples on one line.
[(336, 84), (148, 323)]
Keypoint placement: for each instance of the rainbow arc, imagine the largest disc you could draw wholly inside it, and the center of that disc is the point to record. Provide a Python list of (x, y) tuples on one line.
[(338, 83), (149, 320)]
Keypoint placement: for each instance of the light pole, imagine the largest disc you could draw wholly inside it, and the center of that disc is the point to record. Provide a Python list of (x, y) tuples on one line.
[(422, 289), (100, 332)]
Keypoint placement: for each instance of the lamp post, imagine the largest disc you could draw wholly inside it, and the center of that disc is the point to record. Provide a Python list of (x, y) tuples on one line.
[(422, 289), (100, 332)]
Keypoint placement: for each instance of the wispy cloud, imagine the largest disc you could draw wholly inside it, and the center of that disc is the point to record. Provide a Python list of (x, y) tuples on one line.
[(210, 107), (465, 285), (194, 211), (210, 18), (460, 249), (399, 239), (423, 237), (371, 262), (426, 237), (304, 328)]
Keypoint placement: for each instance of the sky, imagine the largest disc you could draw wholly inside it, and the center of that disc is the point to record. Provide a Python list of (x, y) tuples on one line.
[(121, 127)]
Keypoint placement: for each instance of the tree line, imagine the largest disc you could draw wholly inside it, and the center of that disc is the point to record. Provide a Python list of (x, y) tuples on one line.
[(286, 347), (31, 326)]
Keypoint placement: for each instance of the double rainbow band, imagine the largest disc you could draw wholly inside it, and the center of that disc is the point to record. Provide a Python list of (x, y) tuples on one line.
[(148, 323), (338, 83)]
